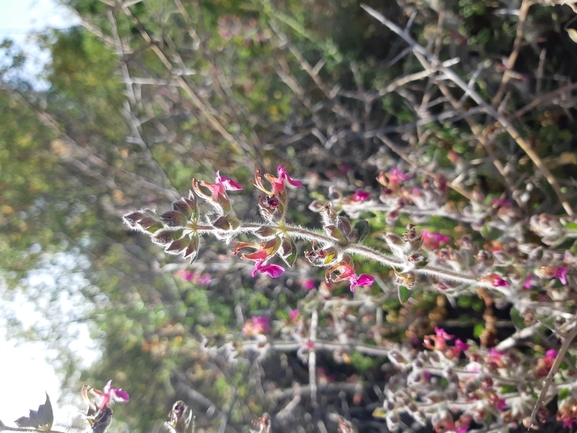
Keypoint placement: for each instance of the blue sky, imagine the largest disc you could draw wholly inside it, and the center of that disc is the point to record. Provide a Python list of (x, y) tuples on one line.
[(21, 19)]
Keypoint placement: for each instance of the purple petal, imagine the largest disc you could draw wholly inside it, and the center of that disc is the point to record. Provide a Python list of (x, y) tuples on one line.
[(274, 271), (227, 183), (365, 280), (561, 273), (120, 395), (283, 175), (360, 196)]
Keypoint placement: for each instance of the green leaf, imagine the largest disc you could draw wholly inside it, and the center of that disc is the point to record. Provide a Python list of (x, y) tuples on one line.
[(404, 294), (517, 320), (40, 419), (563, 394), (362, 229), (506, 389), (571, 226), (478, 330)]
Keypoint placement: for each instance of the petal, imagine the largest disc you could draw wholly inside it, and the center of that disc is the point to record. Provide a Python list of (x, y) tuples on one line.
[(283, 175), (561, 273), (274, 271), (365, 280), (227, 183), (120, 395)]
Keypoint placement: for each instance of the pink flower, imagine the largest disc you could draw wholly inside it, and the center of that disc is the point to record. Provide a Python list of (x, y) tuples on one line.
[(274, 271), (294, 314), (186, 275), (309, 284), (528, 282), (561, 273), (501, 202), (495, 280), (432, 240), (264, 251), (568, 423), (277, 183), (217, 189), (441, 333), (256, 326), (346, 272), (461, 346), (553, 272), (108, 395), (359, 196)]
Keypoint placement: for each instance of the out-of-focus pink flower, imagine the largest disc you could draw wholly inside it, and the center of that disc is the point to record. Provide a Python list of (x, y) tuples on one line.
[(204, 280), (432, 240), (568, 423), (359, 196), (309, 284), (528, 282), (544, 365), (393, 179), (186, 275), (561, 273), (294, 314), (256, 326), (108, 395), (553, 272), (495, 280), (441, 333), (501, 202), (345, 271)]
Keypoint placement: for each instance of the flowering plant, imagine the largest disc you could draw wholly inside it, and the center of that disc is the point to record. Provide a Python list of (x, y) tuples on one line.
[(455, 385)]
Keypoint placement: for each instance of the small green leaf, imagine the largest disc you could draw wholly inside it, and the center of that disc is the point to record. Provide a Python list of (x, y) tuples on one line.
[(362, 229), (570, 225), (404, 294), (516, 318), (563, 394), (380, 413), (478, 330), (506, 389)]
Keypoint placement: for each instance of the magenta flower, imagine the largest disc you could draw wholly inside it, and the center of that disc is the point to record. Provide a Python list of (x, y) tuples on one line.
[(568, 423), (528, 282), (294, 314), (359, 196), (264, 251), (186, 275), (274, 271), (501, 202), (309, 284), (495, 280), (277, 183), (346, 272), (561, 273), (461, 345), (432, 240), (217, 189), (256, 326), (553, 272), (441, 333), (108, 395)]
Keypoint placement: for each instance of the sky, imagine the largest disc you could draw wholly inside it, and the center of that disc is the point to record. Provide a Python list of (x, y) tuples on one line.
[(25, 375), (20, 20)]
